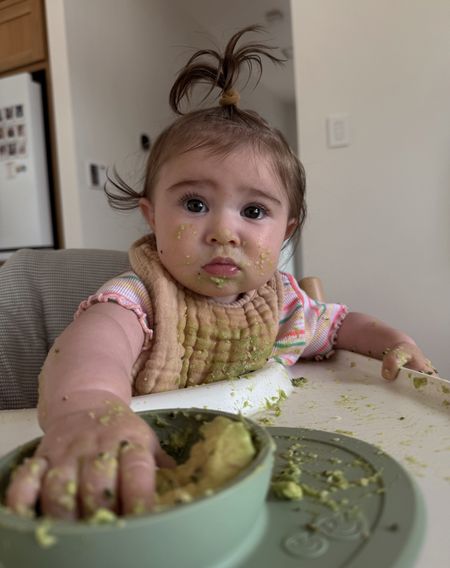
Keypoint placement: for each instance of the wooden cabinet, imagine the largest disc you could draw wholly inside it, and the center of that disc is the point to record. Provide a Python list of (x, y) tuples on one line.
[(22, 33)]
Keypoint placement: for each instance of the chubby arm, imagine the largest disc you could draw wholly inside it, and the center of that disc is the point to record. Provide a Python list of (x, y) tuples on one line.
[(95, 453), (90, 361), (365, 334)]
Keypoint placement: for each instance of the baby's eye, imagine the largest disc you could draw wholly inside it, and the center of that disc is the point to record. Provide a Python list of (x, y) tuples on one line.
[(195, 205), (254, 212)]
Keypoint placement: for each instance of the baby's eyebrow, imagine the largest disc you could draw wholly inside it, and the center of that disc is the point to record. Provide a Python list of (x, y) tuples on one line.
[(190, 183), (264, 194)]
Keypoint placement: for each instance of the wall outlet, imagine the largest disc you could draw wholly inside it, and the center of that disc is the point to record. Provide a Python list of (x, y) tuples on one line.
[(96, 175)]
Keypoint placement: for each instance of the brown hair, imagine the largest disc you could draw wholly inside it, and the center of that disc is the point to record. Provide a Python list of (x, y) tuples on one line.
[(220, 129)]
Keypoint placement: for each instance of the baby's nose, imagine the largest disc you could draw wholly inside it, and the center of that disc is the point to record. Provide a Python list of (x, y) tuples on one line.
[(223, 236)]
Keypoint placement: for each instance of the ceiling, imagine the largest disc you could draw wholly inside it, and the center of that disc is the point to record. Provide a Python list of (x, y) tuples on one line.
[(221, 19)]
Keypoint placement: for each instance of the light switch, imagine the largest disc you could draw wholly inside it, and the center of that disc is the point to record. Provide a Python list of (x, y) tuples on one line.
[(338, 131), (96, 175)]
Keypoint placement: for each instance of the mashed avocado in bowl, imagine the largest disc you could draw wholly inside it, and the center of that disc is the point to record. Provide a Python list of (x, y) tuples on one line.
[(208, 508), (224, 450)]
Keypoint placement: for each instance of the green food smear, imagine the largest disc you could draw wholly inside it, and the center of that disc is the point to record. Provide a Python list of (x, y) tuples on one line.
[(43, 536), (345, 432), (273, 403), (289, 490), (420, 382), (299, 381), (302, 477), (219, 281), (102, 516)]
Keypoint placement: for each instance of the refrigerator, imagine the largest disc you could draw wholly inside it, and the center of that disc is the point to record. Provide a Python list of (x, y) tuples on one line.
[(25, 213)]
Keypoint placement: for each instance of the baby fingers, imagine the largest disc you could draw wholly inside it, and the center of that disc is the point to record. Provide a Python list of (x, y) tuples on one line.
[(24, 489), (393, 361), (163, 459), (59, 492), (429, 368), (405, 355), (98, 484), (136, 479)]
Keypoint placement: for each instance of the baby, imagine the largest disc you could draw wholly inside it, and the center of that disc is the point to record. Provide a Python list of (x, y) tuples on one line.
[(204, 301)]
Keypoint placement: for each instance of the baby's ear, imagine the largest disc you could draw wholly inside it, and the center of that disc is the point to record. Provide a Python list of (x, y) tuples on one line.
[(290, 228), (147, 211)]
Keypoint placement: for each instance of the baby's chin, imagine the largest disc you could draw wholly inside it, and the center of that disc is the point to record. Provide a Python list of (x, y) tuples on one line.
[(224, 291)]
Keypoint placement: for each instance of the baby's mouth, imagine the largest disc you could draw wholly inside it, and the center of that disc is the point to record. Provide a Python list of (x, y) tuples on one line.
[(220, 266)]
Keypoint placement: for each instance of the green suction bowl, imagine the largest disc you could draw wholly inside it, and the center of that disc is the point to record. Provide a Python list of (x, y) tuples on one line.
[(211, 531)]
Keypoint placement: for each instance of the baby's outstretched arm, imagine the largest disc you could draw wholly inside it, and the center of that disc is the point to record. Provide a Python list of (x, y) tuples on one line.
[(364, 334), (95, 453)]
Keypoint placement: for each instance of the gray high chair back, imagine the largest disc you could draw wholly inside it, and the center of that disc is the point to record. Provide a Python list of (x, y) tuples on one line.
[(40, 291)]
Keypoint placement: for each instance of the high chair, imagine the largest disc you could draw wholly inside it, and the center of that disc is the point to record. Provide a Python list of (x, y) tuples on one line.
[(312, 285), (40, 291)]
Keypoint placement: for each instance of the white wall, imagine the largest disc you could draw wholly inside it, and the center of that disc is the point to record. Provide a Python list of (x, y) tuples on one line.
[(113, 63), (378, 231)]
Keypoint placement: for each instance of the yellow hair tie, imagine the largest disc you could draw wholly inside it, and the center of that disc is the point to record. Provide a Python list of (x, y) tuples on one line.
[(230, 97)]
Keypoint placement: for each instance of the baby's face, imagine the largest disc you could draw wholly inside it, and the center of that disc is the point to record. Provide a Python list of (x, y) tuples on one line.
[(219, 221)]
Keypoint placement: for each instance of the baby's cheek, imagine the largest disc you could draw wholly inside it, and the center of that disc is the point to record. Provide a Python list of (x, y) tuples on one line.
[(263, 260), (184, 259), (184, 231), (183, 245)]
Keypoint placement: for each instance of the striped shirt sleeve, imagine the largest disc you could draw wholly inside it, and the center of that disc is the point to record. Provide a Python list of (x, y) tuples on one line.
[(307, 328), (127, 290)]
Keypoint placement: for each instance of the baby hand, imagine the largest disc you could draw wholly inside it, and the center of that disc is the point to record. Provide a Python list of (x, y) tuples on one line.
[(103, 458), (405, 354)]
